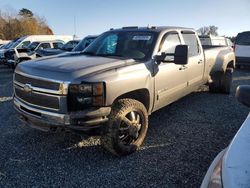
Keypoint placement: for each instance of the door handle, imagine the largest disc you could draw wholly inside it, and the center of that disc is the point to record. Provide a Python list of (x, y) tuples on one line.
[(200, 61), (183, 67)]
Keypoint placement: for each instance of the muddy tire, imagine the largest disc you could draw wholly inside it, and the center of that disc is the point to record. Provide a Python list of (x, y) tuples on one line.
[(214, 87), (222, 84), (226, 81), (127, 127)]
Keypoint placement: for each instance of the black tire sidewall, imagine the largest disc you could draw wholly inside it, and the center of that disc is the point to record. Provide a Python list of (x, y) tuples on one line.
[(120, 109)]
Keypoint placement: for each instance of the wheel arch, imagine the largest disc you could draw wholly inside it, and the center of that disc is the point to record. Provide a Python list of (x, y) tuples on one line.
[(141, 95)]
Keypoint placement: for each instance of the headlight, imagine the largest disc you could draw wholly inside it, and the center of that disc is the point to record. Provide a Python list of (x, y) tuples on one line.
[(213, 178), (85, 95), (216, 179)]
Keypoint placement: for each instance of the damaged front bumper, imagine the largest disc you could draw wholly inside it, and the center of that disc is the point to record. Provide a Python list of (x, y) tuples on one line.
[(45, 120)]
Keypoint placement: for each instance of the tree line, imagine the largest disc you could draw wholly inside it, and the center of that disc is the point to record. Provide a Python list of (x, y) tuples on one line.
[(14, 25)]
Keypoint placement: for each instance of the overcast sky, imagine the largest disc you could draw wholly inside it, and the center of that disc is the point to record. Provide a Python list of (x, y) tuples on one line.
[(97, 16)]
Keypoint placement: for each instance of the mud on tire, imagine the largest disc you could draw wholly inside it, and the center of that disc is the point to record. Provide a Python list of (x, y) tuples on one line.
[(127, 127)]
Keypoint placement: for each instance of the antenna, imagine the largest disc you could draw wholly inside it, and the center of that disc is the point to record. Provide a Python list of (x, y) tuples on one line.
[(74, 27)]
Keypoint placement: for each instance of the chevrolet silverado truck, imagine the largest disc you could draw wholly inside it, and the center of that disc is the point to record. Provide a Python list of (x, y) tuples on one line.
[(117, 82)]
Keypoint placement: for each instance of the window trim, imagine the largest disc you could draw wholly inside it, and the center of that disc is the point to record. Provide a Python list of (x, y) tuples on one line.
[(164, 38), (199, 47), (44, 43)]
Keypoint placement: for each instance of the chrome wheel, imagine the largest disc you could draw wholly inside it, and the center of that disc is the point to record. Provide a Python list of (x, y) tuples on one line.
[(130, 127)]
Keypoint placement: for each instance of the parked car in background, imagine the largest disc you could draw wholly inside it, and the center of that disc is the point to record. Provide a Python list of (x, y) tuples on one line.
[(2, 46), (30, 52), (117, 82), (242, 49), (6, 48), (24, 41), (231, 167), (3, 42), (209, 40), (84, 43), (80, 46), (69, 46)]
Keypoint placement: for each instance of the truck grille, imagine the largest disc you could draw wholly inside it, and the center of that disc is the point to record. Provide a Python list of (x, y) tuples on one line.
[(36, 82), (38, 99), (38, 92)]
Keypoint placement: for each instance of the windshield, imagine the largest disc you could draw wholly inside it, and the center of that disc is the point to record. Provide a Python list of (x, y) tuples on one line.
[(15, 43), (7, 45), (243, 39), (70, 45), (33, 46), (135, 45), (83, 44)]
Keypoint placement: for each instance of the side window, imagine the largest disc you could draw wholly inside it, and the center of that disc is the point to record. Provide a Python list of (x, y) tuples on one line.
[(192, 42), (58, 45), (24, 44), (169, 44), (44, 46)]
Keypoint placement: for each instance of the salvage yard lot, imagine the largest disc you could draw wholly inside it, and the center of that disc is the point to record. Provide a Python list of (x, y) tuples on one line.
[(182, 140)]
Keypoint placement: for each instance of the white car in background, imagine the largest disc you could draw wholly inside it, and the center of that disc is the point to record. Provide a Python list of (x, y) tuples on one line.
[(242, 49), (231, 167)]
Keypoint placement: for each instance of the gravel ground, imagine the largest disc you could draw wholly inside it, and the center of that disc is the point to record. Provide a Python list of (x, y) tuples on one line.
[(182, 140)]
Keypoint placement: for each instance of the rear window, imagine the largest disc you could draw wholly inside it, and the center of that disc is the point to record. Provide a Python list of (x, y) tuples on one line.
[(243, 39), (205, 41)]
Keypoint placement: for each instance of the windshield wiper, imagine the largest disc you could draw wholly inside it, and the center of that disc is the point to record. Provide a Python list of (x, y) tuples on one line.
[(109, 55), (88, 53)]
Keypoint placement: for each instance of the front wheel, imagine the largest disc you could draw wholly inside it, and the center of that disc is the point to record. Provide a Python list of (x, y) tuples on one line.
[(127, 127)]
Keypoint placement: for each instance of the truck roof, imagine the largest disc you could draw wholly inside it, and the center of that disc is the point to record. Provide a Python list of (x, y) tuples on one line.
[(151, 28)]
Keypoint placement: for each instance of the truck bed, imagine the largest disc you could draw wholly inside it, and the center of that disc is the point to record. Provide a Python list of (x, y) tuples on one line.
[(216, 56)]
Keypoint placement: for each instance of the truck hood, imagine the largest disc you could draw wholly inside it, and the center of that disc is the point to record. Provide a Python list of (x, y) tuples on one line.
[(70, 67)]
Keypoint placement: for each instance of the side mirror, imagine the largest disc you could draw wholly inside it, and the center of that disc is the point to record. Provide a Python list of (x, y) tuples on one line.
[(181, 55), (243, 94)]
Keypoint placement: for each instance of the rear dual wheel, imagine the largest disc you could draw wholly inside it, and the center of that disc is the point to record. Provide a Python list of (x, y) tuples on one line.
[(127, 127), (222, 84)]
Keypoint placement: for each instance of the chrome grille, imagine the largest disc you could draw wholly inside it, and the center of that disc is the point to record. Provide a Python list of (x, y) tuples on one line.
[(36, 82), (38, 99), (40, 92)]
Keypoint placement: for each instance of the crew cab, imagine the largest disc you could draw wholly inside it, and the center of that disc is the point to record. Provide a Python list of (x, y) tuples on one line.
[(117, 82)]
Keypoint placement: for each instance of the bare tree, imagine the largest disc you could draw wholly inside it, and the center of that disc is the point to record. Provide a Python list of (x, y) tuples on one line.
[(13, 25), (208, 30)]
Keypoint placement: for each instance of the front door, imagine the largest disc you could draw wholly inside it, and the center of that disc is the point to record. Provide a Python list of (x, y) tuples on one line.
[(170, 79)]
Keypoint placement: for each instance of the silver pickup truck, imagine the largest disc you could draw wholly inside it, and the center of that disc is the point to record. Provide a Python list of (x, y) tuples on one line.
[(118, 81)]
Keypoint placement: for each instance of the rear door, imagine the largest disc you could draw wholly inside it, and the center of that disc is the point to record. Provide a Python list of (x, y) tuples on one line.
[(242, 45), (171, 79), (195, 66)]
